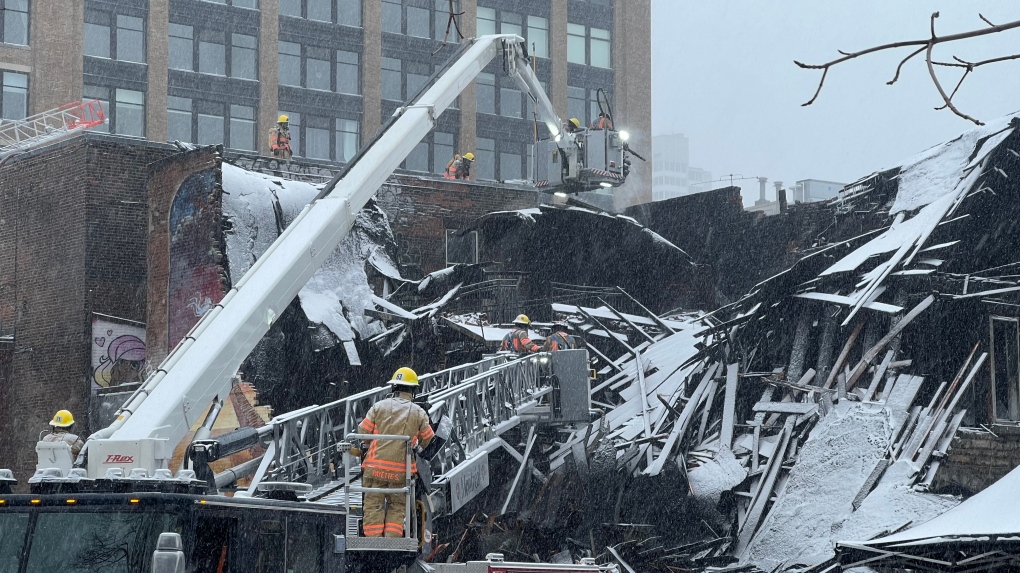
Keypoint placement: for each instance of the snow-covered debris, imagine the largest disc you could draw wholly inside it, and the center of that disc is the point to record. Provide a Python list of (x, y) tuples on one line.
[(262, 206)]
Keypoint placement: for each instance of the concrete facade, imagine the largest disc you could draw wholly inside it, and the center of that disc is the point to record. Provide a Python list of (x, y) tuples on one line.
[(224, 103)]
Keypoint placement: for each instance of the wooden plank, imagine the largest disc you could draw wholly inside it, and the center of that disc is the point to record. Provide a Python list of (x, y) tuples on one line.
[(785, 407), (943, 421), (869, 484), (870, 392), (712, 388), (729, 406), (873, 352), (759, 418), (679, 427), (837, 366), (943, 446), (764, 490)]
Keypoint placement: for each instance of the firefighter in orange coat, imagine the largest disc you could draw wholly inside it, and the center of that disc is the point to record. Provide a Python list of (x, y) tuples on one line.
[(560, 338), (279, 139), (517, 340), (385, 464)]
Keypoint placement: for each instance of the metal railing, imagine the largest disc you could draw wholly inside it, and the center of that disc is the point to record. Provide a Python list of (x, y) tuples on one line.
[(303, 445), (407, 490), (19, 135)]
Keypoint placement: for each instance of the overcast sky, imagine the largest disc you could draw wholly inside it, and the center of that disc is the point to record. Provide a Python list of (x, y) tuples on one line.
[(723, 74)]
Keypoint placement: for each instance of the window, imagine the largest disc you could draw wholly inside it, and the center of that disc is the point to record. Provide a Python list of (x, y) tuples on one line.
[(461, 249), (347, 135), (130, 535), (442, 151), (212, 53), (601, 54), (510, 23), (509, 166), (130, 39), (510, 102), (321, 10), (348, 13), (575, 44), (347, 77), (415, 82), (317, 69), (179, 119), (485, 158), (242, 127), (102, 95), (392, 16), (418, 159), (129, 113), (317, 137), (237, 3), (418, 21), (242, 57), (97, 40), (1005, 345), (486, 93), (210, 123), (12, 544), (290, 8), (115, 36), (576, 103), (182, 47), (486, 21), (290, 64), (391, 80), (442, 20), (295, 131), (14, 104), (538, 36), (15, 22)]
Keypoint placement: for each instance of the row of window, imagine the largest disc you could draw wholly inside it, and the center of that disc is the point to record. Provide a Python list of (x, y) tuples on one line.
[(537, 36), (317, 68), (209, 123), (589, 46), (213, 52), (343, 12), (330, 139), (583, 104), (14, 97), (14, 22), (419, 18), (115, 36)]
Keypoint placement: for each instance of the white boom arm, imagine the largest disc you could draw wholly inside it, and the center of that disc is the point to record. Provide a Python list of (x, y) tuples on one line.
[(159, 414)]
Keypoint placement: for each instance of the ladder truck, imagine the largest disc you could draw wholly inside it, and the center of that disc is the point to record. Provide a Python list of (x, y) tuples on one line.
[(120, 506)]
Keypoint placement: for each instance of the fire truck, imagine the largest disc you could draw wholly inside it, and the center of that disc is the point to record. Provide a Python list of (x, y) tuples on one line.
[(119, 506)]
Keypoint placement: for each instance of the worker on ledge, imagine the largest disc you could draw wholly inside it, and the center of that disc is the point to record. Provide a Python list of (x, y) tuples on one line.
[(61, 426), (517, 340), (463, 170), (279, 139), (385, 464), (561, 339)]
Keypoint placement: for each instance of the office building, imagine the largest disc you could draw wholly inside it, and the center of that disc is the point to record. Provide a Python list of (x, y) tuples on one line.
[(221, 71), (672, 174)]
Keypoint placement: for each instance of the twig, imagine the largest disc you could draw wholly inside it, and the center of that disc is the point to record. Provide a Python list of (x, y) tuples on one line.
[(925, 45), (451, 20)]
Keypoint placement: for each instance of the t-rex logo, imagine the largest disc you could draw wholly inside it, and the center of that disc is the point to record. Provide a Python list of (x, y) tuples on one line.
[(119, 459)]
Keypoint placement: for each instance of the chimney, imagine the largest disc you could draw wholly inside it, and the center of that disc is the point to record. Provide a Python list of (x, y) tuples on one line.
[(780, 196), (761, 191)]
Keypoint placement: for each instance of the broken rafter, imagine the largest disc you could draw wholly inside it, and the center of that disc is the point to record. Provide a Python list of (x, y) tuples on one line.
[(837, 366), (872, 353)]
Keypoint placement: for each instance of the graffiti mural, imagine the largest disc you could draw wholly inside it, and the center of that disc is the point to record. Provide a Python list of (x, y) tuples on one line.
[(118, 352), (197, 276)]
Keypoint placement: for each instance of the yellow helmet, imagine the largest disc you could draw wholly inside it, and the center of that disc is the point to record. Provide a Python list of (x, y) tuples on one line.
[(522, 319), (404, 377), (469, 156), (283, 119), (574, 121), (62, 419)]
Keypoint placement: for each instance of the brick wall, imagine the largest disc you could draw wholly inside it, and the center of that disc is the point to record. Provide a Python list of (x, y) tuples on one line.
[(420, 211), (977, 459)]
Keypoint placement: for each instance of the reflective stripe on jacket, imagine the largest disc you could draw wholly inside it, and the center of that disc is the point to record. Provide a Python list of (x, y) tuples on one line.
[(560, 341), (517, 340), (396, 415)]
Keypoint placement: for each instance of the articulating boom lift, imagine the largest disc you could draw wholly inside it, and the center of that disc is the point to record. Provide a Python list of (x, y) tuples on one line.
[(485, 399)]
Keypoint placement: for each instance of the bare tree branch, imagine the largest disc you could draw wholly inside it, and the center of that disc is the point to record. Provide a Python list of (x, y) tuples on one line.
[(925, 45), (452, 20)]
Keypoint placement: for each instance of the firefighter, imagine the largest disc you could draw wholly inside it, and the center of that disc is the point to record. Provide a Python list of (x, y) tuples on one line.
[(463, 170), (279, 139), (573, 125), (604, 122), (560, 338), (385, 463), (517, 340), (61, 426), (451, 167)]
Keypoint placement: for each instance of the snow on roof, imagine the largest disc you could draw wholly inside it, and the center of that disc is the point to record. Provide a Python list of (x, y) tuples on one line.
[(995, 511), (937, 171), (337, 295)]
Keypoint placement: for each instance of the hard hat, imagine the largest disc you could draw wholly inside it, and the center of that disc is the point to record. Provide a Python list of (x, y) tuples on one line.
[(574, 121), (404, 377), (283, 119), (522, 319), (469, 156), (62, 419)]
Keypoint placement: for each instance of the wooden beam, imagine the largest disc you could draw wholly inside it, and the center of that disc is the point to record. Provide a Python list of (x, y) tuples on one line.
[(873, 352), (729, 406), (799, 408), (837, 366)]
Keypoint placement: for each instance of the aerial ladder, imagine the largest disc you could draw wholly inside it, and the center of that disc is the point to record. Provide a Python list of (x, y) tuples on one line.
[(305, 448), (20, 135)]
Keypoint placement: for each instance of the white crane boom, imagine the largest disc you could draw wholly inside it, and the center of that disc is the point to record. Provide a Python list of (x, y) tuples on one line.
[(159, 414)]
